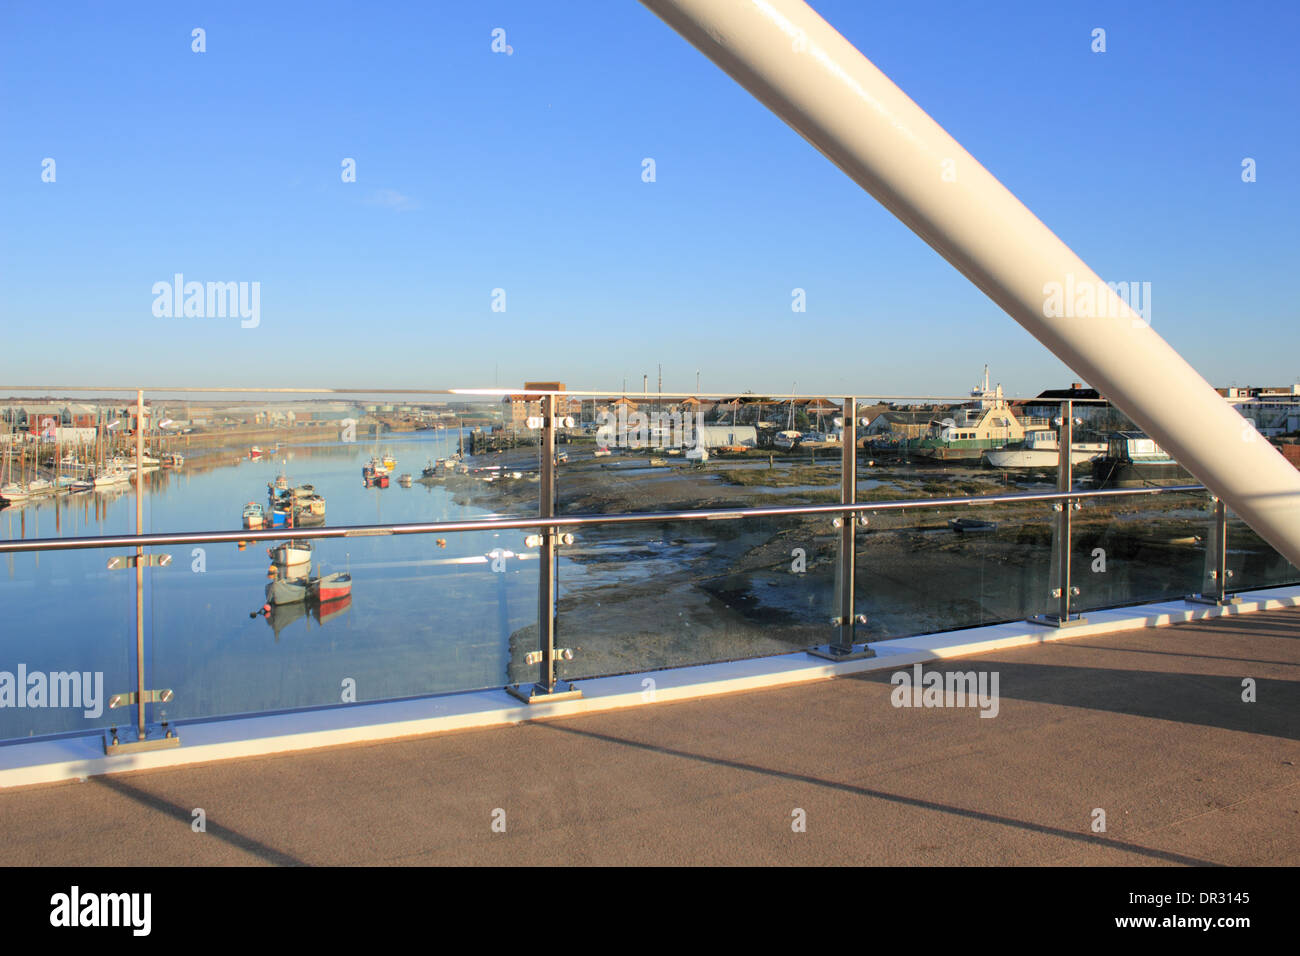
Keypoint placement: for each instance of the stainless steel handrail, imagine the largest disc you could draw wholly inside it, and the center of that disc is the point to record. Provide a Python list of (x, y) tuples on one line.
[(567, 521)]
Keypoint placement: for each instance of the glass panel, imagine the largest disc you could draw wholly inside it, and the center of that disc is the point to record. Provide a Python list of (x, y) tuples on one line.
[(923, 571), (639, 597), (242, 629), (1141, 549), (644, 596), (64, 613), (1252, 562)]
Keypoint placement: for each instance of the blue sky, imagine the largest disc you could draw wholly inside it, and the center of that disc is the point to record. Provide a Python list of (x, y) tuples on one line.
[(478, 171)]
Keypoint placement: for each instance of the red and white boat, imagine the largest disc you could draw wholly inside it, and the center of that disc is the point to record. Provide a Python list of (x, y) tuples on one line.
[(331, 587)]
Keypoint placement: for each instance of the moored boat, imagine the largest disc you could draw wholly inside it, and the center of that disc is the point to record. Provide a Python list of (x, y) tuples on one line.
[(280, 591), (1133, 460), (968, 525), (404, 481), (1041, 449), (291, 553), (253, 515), (330, 587)]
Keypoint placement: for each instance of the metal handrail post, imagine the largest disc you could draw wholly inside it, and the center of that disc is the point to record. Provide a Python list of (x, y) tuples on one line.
[(547, 688), (1063, 588), (141, 696), (1218, 561), (847, 620), (139, 563)]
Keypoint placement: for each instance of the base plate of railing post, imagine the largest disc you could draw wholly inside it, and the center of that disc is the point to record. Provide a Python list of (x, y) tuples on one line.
[(128, 741), (538, 694), (834, 652), (1054, 620), (1211, 600)]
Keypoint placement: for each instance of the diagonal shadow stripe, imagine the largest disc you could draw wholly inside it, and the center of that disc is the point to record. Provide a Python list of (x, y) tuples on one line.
[(237, 840), (1088, 838), (1111, 649)]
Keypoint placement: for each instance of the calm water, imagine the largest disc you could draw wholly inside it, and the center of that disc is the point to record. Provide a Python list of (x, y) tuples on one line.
[(421, 619)]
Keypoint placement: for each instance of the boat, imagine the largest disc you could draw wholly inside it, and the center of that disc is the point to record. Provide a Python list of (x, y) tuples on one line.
[(173, 460), (404, 481), (601, 452), (279, 516), (253, 515), (987, 422), (280, 591), (787, 440), (698, 453), (381, 479), (13, 492), (254, 453), (1133, 460), (291, 553), (389, 462), (658, 462), (968, 525), (330, 587), (430, 470), (1040, 449), (281, 482)]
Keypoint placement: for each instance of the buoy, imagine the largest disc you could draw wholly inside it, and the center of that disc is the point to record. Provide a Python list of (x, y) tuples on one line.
[(442, 542)]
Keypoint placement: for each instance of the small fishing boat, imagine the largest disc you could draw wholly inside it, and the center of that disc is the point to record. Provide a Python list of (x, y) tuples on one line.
[(173, 460), (281, 482), (381, 479), (253, 515), (601, 453), (330, 587), (389, 462), (430, 470), (658, 462), (968, 525), (404, 481), (285, 592), (279, 516), (254, 453), (291, 553)]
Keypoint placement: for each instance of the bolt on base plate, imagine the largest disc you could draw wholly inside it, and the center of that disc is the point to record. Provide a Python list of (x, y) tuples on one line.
[(537, 694), (833, 652), (128, 742), (1212, 601), (1053, 620)]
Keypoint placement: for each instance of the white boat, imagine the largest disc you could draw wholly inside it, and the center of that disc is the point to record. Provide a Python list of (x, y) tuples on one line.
[(787, 440), (13, 492), (698, 453), (1041, 450), (291, 553)]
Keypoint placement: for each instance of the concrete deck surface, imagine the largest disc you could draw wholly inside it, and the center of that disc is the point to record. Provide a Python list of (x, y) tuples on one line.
[(1147, 725)]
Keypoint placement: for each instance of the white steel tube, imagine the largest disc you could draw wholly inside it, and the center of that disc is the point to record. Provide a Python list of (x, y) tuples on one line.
[(797, 65)]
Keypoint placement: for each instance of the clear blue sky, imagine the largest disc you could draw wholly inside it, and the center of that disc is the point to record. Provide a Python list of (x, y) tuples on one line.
[(478, 170)]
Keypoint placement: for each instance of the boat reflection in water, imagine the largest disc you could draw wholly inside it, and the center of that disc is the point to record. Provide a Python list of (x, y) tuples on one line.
[(280, 616)]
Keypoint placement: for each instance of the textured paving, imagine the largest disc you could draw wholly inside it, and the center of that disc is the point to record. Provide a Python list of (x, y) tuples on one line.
[(1147, 725)]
